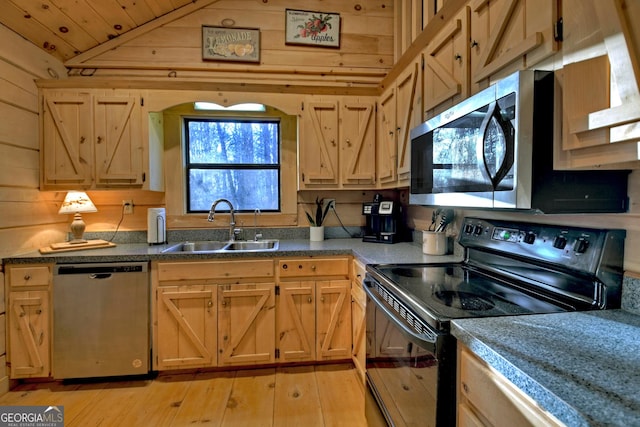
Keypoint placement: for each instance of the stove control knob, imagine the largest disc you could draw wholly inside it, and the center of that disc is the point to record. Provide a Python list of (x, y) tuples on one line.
[(560, 242), (581, 245), (468, 228), (529, 238), (477, 230)]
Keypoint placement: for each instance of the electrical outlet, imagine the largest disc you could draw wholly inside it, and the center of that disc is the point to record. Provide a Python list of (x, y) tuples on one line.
[(127, 207), (330, 202)]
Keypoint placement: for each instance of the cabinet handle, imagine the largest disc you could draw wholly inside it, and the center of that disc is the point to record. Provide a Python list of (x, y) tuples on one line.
[(322, 299), (27, 277), (333, 142), (99, 139), (209, 305), (224, 302), (457, 57), (465, 387), (474, 43), (309, 300), (313, 268), (349, 142), (82, 140)]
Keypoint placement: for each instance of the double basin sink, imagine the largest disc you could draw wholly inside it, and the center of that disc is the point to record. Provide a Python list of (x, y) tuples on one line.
[(211, 246)]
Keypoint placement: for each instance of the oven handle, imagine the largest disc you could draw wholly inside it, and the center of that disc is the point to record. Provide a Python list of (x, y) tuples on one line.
[(426, 344)]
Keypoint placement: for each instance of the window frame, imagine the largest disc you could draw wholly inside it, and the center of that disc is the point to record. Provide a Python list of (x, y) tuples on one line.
[(233, 117)]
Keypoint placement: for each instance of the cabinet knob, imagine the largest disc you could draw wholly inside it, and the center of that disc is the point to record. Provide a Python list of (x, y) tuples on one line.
[(474, 43), (309, 300), (349, 142), (82, 140), (322, 299), (99, 139), (457, 57), (313, 268), (27, 277), (209, 305), (224, 302), (333, 142)]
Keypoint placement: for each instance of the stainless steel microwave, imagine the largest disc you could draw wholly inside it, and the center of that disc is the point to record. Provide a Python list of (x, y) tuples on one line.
[(495, 150)]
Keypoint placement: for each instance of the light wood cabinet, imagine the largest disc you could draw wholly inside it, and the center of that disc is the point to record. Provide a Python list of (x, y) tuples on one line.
[(246, 324), (337, 143), (486, 398), (212, 313), (314, 312), (447, 60), (186, 326), (94, 140), (358, 319), (509, 35), (399, 111), (29, 320), (600, 86)]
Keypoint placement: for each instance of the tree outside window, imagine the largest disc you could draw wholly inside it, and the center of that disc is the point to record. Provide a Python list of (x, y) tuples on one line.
[(233, 159)]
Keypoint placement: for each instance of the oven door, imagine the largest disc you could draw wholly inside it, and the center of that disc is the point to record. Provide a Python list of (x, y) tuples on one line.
[(411, 374)]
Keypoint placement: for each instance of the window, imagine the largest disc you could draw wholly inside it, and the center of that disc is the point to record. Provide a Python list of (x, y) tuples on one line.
[(233, 159)]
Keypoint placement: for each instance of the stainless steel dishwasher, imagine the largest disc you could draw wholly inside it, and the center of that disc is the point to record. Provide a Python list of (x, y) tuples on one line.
[(100, 320)]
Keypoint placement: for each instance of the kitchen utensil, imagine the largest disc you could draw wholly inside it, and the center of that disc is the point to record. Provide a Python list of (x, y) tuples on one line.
[(446, 216), (434, 218)]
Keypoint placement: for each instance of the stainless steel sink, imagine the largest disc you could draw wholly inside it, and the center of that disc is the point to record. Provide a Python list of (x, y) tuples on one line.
[(212, 246)]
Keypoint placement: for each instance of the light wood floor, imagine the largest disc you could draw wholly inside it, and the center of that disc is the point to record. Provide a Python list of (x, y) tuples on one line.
[(307, 396)]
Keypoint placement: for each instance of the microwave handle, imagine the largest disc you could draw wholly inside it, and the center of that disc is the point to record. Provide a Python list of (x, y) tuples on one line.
[(507, 131)]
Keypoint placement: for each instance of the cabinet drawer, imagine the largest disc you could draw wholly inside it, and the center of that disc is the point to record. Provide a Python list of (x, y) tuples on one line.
[(498, 400), (214, 270), (30, 275), (314, 267)]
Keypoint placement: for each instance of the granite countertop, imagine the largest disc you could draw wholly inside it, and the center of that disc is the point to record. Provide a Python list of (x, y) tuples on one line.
[(583, 367), (368, 253)]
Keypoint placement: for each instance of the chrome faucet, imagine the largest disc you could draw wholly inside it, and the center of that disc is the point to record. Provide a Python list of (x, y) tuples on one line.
[(257, 236), (233, 232)]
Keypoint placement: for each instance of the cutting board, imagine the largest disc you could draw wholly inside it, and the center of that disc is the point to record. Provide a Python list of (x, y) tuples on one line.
[(66, 246)]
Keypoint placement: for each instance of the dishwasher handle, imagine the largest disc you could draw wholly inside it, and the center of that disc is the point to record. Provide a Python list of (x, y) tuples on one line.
[(100, 276)]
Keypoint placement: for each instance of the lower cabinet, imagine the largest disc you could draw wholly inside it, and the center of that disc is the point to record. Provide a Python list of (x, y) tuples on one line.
[(486, 398), (28, 320), (314, 309), (243, 313), (358, 319)]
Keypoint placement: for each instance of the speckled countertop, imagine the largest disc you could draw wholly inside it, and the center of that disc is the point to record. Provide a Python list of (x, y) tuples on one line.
[(584, 367), (369, 253)]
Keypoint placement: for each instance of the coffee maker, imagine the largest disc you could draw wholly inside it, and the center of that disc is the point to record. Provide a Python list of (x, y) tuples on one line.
[(384, 222)]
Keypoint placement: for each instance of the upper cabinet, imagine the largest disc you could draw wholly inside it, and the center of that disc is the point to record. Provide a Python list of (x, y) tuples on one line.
[(337, 143), (94, 140), (600, 80), (446, 65), (509, 35)]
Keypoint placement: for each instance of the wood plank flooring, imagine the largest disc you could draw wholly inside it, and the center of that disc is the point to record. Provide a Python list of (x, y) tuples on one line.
[(324, 395)]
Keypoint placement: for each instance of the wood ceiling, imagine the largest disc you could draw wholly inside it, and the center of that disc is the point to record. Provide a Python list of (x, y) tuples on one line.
[(67, 28)]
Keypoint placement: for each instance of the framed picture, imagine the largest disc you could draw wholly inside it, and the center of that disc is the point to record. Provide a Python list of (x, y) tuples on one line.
[(230, 44), (312, 28)]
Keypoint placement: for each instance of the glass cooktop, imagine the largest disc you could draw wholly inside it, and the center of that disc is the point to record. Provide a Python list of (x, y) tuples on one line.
[(453, 291)]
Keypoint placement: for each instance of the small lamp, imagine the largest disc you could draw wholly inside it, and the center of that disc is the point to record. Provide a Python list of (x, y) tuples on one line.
[(75, 203)]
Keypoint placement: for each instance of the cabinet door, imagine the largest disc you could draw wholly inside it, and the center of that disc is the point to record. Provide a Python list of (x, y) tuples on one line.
[(67, 146), (246, 324), (118, 142), (357, 143), (319, 145), (446, 61), (509, 35), (409, 115), (600, 89), (187, 326), (333, 319), (358, 314), (29, 336), (296, 321), (387, 150)]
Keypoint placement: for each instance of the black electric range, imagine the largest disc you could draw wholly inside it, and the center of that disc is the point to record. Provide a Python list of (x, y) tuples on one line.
[(509, 268)]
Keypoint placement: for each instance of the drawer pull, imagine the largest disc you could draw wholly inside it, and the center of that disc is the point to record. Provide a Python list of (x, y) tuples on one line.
[(313, 268), (27, 277)]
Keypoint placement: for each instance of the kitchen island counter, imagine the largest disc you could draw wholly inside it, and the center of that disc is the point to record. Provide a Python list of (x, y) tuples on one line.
[(582, 367)]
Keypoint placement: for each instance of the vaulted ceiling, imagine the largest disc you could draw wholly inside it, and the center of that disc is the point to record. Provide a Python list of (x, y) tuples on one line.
[(67, 28)]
